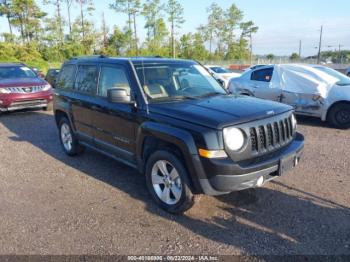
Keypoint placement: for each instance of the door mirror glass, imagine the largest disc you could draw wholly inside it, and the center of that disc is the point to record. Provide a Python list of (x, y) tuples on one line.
[(119, 95)]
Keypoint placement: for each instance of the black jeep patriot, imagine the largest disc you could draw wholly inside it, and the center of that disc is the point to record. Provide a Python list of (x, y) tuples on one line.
[(172, 121)]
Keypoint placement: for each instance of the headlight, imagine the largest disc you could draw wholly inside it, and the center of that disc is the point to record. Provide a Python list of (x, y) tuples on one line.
[(46, 87), (4, 91), (294, 122), (234, 138)]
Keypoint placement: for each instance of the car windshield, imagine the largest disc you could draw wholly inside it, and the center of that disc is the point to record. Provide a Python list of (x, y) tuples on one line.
[(16, 72), (220, 70), (343, 80), (177, 81)]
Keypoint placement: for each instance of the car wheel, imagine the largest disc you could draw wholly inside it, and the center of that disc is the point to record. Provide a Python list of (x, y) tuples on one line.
[(168, 183), (339, 116), (69, 142)]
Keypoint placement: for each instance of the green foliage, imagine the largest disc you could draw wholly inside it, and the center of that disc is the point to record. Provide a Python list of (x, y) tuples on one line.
[(294, 57), (42, 41), (270, 57)]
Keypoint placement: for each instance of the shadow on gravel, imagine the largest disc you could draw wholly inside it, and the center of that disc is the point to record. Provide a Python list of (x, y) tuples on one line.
[(312, 121), (258, 221)]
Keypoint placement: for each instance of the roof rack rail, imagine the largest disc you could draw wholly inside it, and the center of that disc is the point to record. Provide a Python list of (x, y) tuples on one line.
[(88, 57)]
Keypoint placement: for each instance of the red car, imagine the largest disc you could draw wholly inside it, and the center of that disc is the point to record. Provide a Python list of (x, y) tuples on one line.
[(21, 88)]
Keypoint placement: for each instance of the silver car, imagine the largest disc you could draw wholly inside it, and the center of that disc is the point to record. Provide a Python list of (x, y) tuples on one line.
[(313, 90)]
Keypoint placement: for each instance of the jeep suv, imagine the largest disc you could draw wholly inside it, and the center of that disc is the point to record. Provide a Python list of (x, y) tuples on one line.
[(171, 120)]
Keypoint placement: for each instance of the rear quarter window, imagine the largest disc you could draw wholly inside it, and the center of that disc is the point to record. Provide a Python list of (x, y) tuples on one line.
[(262, 75), (66, 77)]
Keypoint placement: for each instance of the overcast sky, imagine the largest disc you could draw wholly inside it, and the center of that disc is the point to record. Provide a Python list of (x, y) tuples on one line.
[(282, 23)]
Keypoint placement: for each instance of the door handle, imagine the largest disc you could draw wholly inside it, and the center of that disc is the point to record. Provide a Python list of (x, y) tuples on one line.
[(255, 86)]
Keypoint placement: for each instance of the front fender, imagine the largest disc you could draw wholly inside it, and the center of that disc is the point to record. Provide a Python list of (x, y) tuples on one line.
[(175, 136)]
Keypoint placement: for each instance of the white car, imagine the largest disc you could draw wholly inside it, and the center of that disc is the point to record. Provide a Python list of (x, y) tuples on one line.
[(313, 90), (222, 74)]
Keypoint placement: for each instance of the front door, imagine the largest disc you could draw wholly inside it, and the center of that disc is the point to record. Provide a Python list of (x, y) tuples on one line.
[(115, 123)]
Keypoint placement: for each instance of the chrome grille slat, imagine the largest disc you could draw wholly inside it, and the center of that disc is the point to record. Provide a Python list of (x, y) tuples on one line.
[(21, 90)]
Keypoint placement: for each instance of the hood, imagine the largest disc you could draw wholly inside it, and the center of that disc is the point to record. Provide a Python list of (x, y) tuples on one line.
[(220, 111), (22, 82)]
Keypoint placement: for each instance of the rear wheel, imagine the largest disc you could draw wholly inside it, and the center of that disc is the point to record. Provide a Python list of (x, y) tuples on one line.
[(168, 183), (69, 142), (339, 116)]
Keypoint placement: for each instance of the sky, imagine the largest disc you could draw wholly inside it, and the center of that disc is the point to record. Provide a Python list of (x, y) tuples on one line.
[(282, 23)]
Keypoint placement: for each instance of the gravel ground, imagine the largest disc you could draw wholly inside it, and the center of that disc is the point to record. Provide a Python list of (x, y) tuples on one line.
[(53, 204)]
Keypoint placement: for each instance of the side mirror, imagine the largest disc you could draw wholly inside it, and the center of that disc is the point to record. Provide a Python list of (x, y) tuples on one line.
[(118, 95)]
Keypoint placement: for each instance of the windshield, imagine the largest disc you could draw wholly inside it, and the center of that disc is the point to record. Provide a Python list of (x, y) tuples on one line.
[(164, 82), (220, 70), (16, 72), (343, 80)]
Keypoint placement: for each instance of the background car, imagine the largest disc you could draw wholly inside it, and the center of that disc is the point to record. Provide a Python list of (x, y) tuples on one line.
[(222, 74), (51, 76), (21, 88), (348, 72), (38, 72), (313, 90)]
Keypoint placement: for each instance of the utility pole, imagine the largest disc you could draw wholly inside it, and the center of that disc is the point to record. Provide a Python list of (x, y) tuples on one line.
[(319, 47), (299, 49)]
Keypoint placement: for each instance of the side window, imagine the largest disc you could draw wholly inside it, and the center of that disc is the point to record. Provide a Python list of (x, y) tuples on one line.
[(111, 77), (66, 77), (86, 81), (263, 75)]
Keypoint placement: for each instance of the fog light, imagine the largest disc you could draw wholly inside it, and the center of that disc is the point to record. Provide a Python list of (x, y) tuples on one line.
[(260, 181)]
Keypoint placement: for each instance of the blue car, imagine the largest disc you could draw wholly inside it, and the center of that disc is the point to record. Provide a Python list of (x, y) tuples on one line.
[(347, 72)]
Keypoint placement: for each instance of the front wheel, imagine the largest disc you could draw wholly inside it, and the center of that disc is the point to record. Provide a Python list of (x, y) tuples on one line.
[(167, 182), (69, 142), (339, 116)]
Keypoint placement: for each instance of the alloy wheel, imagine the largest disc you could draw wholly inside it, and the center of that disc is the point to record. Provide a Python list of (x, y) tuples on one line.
[(166, 182)]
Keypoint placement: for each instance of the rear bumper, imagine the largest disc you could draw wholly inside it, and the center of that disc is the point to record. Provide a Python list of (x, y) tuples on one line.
[(222, 176), (12, 102)]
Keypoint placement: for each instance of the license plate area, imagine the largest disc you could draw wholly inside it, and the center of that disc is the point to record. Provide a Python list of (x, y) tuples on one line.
[(286, 164)]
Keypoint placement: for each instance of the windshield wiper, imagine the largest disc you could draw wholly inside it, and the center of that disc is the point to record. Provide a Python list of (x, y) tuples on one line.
[(211, 94)]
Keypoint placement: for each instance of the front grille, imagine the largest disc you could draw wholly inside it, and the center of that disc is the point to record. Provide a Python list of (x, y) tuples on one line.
[(271, 136), (25, 90), (29, 103)]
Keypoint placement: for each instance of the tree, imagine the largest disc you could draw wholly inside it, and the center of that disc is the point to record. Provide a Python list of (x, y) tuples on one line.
[(5, 10), (294, 57), (233, 18), (151, 13), (85, 6), (58, 18), (248, 28), (69, 5), (175, 17), (26, 16), (270, 57), (132, 9), (216, 23)]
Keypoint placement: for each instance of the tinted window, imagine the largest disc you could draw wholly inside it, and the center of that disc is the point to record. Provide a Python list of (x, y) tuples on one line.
[(112, 77), (86, 81), (263, 75), (66, 77)]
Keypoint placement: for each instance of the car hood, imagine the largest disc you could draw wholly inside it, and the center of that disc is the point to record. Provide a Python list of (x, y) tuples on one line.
[(21, 82), (220, 111)]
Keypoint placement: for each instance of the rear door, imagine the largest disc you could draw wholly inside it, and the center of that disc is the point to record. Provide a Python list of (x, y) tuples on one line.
[(261, 87), (115, 123), (82, 99)]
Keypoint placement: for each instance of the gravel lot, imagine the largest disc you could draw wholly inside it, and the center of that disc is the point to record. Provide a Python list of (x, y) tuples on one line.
[(53, 204)]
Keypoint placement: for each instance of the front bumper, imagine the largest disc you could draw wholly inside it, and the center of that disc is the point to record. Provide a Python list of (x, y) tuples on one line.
[(12, 102), (222, 176)]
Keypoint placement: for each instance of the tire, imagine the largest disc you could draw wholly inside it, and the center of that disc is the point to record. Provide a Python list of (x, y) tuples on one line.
[(339, 116), (173, 186), (69, 142)]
